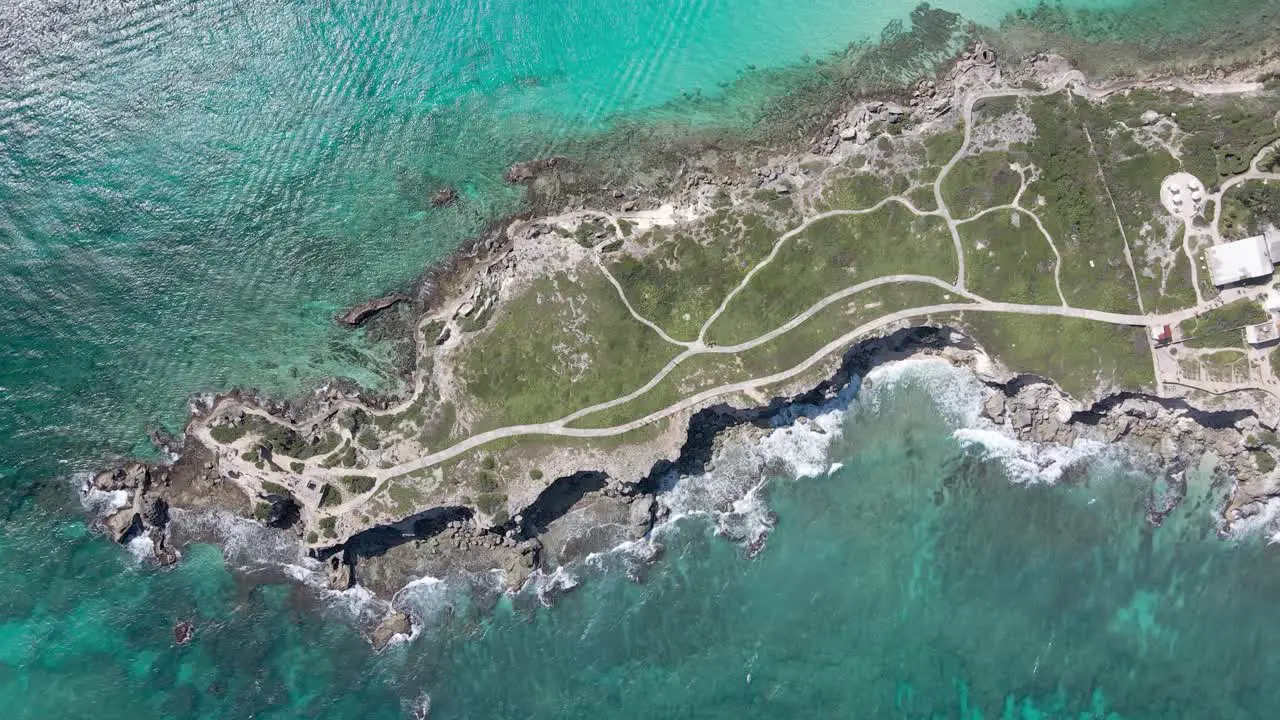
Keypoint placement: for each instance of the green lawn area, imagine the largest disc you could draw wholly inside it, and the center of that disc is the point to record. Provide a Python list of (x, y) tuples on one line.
[(832, 254), (1007, 258), (1221, 327), (1080, 355), (565, 343), (681, 281)]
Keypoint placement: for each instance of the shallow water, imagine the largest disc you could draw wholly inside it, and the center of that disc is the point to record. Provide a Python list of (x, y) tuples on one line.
[(190, 189)]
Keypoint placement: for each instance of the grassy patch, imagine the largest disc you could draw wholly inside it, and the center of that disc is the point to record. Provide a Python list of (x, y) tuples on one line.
[(981, 181), (707, 371), (563, 345), (327, 526), (1080, 355), (297, 467), (1007, 258), (684, 277), (491, 502), (406, 497), (1071, 199), (833, 254), (1220, 327), (940, 148)]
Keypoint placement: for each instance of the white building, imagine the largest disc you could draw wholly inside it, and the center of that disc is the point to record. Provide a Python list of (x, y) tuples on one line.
[(1262, 333), (1240, 260)]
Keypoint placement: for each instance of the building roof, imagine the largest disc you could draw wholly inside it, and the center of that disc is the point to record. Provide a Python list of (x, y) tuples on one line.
[(1262, 333), (1240, 260)]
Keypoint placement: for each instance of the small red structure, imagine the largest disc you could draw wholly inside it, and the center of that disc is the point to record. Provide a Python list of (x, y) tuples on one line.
[(1162, 334)]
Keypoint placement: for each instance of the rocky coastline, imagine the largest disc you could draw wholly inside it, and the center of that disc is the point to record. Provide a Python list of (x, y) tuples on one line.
[(1164, 436), (609, 507)]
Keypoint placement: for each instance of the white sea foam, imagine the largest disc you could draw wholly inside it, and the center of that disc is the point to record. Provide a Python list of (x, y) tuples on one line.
[(955, 392), (958, 394), (546, 586), (98, 503), (142, 548), (1027, 462)]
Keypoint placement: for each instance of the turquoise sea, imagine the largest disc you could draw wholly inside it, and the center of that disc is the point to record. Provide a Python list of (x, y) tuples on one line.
[(189, 189)]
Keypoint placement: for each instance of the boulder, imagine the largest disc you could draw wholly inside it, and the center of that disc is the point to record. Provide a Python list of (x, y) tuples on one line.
[(993, 407), (183, 631), (124, 525), (444, 196), (397, 623), (340, 575)]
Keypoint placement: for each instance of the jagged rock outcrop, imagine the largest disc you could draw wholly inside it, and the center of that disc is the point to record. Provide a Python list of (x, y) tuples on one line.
[(397, 623)]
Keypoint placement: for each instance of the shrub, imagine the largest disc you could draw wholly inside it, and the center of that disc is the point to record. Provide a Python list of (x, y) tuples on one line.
[(330, 496), (535, 474), (327, 526), (491, 503), (297, 467), (261, 511), (486, 481), (227, 433), (358, 484), (312, 537), (271, 488)]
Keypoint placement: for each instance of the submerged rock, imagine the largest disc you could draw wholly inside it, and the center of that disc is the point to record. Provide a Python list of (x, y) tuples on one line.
[(183, 631)]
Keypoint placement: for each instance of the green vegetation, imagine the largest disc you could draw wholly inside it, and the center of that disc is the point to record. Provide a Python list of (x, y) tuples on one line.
[(261, 511), (535, 474), (703, 372), (485, 481), (1080, 355), (978, 182), (346, 457), (1076, 209), (405, 496), (1250, 208), (275, 489), (358, 484), (1224, 365), (1007, 258), (564, 344), (327, 526), (1264, 461), (1220, 327), (330, 496), (940, 148), (683, 278), (368, 438), (490, 502), (833, 254), (229, 432), (297, 467), (312, 537)]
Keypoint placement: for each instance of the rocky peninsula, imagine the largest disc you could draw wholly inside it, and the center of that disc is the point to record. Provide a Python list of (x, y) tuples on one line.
[(570, 366)]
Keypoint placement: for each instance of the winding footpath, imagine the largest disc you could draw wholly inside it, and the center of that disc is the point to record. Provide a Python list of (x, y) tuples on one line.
[(967, 302)]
